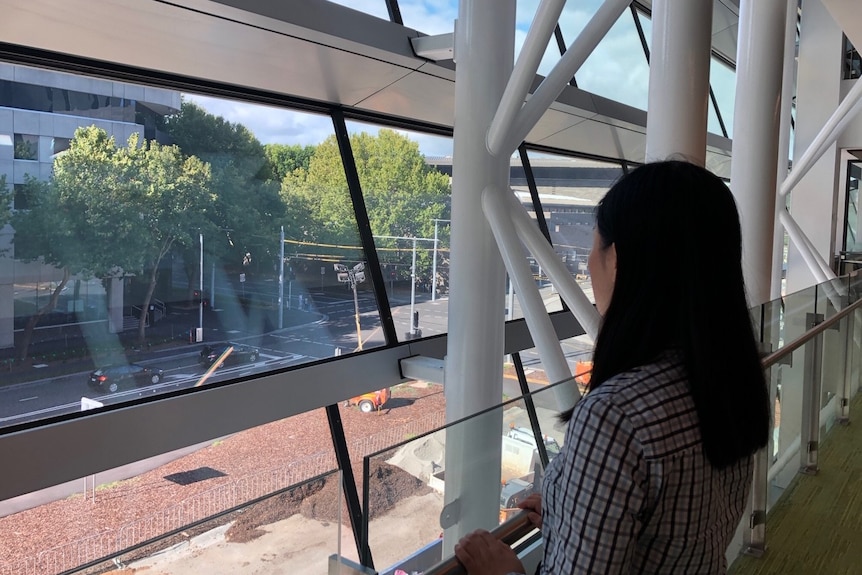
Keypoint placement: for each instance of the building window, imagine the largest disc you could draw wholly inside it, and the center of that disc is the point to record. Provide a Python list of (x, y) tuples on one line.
[(852, 61), (21, 199), (26, 147), (60, 145)]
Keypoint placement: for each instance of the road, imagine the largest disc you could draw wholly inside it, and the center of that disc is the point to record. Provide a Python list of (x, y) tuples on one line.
[(331, 326)]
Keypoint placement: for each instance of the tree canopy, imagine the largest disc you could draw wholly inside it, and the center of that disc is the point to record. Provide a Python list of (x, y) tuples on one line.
[(247, 210), (114, 210), (402, 194)]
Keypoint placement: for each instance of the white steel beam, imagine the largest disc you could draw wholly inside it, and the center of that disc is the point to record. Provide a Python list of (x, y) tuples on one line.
[(506, 142), (497, 210), (788, 82), (562, 279), (815, 263), (679, 80), (828, 134), (535, 44)]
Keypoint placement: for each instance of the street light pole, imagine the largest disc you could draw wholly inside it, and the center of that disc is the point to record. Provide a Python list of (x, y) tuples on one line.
[(281, 281), (353, 276), (413, 290), (434, 264), (201, 302)]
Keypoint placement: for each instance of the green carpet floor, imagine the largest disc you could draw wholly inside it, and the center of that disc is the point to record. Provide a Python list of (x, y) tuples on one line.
[(817, 526)]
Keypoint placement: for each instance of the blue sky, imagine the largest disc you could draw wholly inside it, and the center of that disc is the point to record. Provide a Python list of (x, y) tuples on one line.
[(617, 69)]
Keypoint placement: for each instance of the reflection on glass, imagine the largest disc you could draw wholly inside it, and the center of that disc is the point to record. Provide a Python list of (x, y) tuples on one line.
[(208, 222), (852, 239), (852, 61), (569, 189)]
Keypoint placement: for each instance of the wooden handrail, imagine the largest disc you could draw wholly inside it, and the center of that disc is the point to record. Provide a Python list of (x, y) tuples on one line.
[(509, 532)]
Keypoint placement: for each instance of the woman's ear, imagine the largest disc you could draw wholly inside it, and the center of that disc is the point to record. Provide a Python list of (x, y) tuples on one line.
[(611, 255)]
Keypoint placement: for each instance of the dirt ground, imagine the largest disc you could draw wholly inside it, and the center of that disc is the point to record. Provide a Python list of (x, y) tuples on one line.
[(319, 501), (296, 532), (298, 545)]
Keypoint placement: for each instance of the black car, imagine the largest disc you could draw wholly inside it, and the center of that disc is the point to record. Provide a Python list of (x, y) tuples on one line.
[(240, 354), (111, 378)]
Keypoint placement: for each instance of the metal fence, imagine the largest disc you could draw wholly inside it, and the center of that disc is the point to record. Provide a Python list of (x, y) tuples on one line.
[(206, 504)]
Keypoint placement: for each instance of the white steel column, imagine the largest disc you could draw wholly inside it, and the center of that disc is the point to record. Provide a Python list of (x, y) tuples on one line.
[(759, 69), (679, 80), (753, 177), (818, 99), (484, 52), (788, 81)]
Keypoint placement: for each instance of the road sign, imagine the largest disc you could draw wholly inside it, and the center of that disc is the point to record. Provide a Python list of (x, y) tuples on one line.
[(87, 403), (241, 278)]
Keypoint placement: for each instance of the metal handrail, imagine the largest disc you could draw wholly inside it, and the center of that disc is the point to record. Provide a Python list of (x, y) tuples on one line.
[(787, 349), (509, 532)]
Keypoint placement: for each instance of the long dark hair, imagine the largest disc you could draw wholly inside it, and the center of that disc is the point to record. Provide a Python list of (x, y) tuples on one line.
[(679, 285)]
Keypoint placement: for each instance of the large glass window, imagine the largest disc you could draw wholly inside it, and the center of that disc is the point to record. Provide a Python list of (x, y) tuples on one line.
[(852, 239), (26, 147), (429, 17), (184, 242), (722, 79), (405, 179), (852, 61), (569, 189), (617, 69)]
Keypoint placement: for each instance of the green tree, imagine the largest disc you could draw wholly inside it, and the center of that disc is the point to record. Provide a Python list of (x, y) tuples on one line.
[(402, 194), (5, 202), (284, 159), (123, 208), (246, 206), (43, 232)]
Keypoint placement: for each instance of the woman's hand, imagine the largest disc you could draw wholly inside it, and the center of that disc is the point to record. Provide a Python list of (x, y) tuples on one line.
[(483, 554), (533, 506)]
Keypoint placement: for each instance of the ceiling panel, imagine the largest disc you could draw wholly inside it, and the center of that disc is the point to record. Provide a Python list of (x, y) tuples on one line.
[(188, 43)]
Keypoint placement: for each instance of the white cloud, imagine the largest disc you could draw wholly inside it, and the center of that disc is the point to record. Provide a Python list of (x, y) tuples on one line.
[(269, 124), (373, 7)]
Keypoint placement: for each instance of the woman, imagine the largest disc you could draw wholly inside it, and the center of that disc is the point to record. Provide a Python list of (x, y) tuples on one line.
[(656, 467)]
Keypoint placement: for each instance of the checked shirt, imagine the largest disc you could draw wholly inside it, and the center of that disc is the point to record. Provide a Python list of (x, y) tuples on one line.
[(632, 491)]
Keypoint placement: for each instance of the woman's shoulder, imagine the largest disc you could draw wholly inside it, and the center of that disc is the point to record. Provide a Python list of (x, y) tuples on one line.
[(665, 374), (656, 401)]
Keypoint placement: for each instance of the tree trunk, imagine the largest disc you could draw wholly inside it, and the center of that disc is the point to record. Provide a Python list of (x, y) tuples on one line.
[(154, 278), (27, 336)]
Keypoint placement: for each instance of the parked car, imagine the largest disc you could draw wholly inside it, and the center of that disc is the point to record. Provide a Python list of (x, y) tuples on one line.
[(241, 354), (111, 378)]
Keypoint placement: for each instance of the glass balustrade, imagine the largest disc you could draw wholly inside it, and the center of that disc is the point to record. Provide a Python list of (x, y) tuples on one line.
[(406, 517), (808, 386)]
